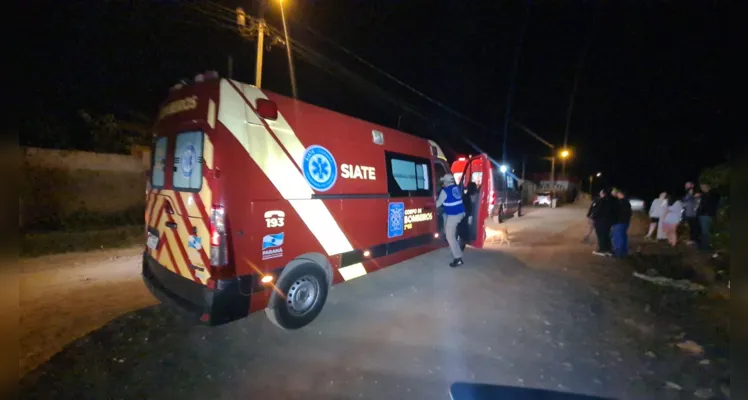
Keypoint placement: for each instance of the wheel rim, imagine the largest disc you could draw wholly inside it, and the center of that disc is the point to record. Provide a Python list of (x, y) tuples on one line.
[(303, 295)]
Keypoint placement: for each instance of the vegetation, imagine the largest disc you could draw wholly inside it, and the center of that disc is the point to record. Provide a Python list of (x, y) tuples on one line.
[(87, 131)]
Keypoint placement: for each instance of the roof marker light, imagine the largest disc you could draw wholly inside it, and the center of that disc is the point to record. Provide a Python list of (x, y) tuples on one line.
[(267, 109)]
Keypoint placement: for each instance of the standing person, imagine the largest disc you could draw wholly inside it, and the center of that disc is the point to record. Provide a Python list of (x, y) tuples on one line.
[(468, 199), (621, 226), (707, 213), (450, 197), (605, 215), (672, 218), (656, 211), (690, 213), (590, 217)]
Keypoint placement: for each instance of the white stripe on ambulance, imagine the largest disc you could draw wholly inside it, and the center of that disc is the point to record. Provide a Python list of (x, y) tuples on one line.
[(268, 154)]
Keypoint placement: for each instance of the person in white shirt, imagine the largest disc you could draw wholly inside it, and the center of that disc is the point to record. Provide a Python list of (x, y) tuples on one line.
[(671, 219), (656, 211)]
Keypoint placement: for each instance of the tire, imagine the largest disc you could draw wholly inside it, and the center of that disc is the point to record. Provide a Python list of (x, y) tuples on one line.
[(501, 216), (295, 309), (519, 211)]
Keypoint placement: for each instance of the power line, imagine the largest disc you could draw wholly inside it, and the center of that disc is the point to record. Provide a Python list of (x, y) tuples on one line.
[(381, 71), (512, 77), (231, 12), (315, 58)]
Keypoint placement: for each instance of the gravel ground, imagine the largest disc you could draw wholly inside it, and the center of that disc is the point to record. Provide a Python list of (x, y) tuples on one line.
[(542, 312)]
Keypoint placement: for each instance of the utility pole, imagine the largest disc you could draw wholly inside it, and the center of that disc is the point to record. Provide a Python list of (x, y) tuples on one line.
[(249, 27), (553, 177), (260, 44)]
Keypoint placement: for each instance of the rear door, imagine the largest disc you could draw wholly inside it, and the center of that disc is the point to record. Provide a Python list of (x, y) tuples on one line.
[(177, 219), (477, 169)]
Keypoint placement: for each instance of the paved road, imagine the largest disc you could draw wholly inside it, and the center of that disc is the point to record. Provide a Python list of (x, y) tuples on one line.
[(542, 312)]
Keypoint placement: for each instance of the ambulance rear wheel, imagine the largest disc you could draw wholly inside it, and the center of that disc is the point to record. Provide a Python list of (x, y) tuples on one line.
[(304, 292)]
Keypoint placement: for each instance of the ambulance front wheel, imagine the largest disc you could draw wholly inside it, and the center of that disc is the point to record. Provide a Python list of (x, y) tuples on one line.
[(302, 294)]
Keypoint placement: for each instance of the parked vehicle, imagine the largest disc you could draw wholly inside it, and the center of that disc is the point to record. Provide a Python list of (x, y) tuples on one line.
[(257, 201), (543, 199), (504, 193)]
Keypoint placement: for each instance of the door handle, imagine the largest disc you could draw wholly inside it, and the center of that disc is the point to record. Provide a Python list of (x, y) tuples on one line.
[(172, 225)]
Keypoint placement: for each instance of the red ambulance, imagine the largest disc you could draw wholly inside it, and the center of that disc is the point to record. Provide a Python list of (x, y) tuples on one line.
[(258, 201)]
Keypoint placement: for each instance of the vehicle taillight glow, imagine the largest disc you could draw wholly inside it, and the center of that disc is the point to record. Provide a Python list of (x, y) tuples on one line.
[(215, 237), (218, 246)]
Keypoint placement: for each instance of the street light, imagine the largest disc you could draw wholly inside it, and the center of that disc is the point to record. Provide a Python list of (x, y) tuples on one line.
[(565, 153), (503, 169), (599, 174)]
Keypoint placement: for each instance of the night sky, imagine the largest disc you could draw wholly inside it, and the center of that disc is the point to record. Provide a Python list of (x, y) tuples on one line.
[(649, 107)]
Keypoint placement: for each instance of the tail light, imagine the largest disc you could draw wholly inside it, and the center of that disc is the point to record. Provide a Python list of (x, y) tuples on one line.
[(218, 246)]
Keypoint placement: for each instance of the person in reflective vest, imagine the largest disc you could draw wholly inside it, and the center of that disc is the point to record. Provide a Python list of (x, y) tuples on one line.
[(450, 197)]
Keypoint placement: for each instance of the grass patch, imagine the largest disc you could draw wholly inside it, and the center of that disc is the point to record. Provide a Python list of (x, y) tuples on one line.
[(38, 244)]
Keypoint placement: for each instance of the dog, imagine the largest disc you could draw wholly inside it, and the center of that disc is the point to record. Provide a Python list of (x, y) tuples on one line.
[(499, 236)]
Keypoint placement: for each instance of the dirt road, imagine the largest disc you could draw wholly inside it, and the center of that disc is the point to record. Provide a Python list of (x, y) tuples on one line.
[(64, 297), (542, 312)]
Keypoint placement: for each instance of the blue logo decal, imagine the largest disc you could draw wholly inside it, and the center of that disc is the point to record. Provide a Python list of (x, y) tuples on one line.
[(456, 192), (272, 240), (195, 242), (319, 167), (187, 160), (395, 219)]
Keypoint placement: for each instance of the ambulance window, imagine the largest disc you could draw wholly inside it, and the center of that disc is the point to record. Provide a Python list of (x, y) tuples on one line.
[(408, 175), (404, 173), (188, 161), (158, 163), (422, 176)]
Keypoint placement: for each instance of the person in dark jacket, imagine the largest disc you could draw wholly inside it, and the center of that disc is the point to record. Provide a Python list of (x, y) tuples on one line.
[(469, 199), (621, 226), (707, 214), (603, 219), (590, 217), (690, 213)]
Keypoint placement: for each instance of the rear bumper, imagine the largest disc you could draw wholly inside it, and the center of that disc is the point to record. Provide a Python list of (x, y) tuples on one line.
[(228, 302)]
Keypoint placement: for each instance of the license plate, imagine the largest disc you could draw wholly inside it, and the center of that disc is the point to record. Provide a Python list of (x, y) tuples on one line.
[(152, 241)]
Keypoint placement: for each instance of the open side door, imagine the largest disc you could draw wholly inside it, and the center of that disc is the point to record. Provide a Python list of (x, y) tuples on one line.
[(477, 170)]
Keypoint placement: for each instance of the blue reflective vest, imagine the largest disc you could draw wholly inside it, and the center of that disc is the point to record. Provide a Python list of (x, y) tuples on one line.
[(453, 203)]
